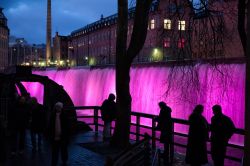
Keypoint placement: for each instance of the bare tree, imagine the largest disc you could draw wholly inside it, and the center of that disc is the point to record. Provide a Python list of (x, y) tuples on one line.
[(124, 59)]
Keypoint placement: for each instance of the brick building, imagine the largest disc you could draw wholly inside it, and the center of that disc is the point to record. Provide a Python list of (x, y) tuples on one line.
[(4, 40), (60, 49), (176, 31)]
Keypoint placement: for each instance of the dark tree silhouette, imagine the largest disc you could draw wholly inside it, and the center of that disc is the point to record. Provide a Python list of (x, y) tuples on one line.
[(247, 89), (124, 59), (125, 54)]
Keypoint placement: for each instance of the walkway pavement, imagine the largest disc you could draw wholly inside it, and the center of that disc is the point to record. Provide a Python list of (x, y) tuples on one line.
[(77, 154), (85, 149)]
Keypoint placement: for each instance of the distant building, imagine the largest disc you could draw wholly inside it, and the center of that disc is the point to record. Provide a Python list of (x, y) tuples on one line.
[(171, 29), (22, 53), (60, 49), (4, 40)]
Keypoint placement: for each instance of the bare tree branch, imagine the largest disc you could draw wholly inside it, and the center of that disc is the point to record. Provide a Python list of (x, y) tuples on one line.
[(140, 28)]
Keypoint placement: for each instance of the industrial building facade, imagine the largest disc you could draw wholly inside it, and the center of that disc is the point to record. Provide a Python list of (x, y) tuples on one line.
[(175, 32), (4, 41)]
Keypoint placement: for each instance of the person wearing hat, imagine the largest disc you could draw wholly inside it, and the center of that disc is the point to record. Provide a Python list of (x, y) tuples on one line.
[(59, 134)]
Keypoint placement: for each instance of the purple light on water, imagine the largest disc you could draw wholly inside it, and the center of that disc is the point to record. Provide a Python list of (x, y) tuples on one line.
[(148, 87)]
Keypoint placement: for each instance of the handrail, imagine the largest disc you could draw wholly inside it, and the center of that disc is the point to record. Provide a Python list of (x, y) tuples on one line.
[(132, 155), (137, 124), (155, 157)]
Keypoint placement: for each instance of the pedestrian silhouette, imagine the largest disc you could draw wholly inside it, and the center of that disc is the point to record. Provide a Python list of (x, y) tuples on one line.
[(19, 123), (37, 123), (59, 134), (165, 127), (196, 154), (222, 129), (108, 114)]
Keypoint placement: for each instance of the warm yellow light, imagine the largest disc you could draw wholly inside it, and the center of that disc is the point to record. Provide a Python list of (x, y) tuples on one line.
[(92, 61), (34, 63), (157, 55), (61, 62), (67, 60), (42, 64)]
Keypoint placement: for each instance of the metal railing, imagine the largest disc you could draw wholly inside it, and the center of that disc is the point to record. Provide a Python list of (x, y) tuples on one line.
[(138, 154), (138, 126)]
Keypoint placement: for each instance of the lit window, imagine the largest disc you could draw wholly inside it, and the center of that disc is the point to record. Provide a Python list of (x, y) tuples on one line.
[(181, 43), (181, 25), (166, 42), (152, 24), (167, 24)]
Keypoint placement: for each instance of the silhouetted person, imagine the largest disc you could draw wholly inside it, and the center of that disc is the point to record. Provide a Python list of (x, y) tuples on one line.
[(59, 134), (12, 123), (222, 129), (19, 124), (196, 154), (108, 113), (37, 123), (22, 122), (2, 140), (165, 126)]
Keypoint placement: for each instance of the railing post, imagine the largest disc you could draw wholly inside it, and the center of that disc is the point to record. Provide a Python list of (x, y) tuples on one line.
[(137, 128), (153, 133), (172, 145), (96, 121)]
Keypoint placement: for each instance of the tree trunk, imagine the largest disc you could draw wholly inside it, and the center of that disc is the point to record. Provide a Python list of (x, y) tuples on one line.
[(247, 95), (124, 58), (122, 126)]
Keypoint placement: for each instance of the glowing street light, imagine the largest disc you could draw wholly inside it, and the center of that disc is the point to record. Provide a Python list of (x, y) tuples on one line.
[(157, 55), (61, 63)]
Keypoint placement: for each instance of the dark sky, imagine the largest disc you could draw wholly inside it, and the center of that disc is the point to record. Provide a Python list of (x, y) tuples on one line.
[(27, 18)]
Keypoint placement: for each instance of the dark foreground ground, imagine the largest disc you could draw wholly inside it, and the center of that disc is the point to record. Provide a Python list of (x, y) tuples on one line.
[(85, 149)]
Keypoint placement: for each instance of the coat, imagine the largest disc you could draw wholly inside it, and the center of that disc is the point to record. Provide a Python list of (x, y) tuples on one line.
[(165, 125), (37, 118), (222, 128), (197, 140), (108, 111), (65, 127)]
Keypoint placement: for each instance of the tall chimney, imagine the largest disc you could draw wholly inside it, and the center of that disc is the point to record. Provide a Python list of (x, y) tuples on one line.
[(48, 33)]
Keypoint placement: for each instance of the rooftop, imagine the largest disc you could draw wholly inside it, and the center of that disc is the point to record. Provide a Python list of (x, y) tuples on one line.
[(110, 20)]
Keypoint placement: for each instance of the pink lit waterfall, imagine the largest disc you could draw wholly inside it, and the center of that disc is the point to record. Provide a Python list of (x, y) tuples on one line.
[(149, 85)]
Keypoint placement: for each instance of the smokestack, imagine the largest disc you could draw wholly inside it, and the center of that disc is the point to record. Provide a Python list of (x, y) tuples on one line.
[(48, 33)]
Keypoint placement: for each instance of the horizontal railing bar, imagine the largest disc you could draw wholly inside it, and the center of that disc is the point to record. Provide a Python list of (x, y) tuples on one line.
[(85, 116), (145, 115), (153, 117), (143, 126)]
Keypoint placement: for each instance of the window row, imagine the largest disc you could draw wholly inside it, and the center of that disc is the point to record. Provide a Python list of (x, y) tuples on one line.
[(167, 43), (167, 24)]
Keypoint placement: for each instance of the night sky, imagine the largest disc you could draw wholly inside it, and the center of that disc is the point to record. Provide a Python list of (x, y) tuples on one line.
[(27, 18)]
